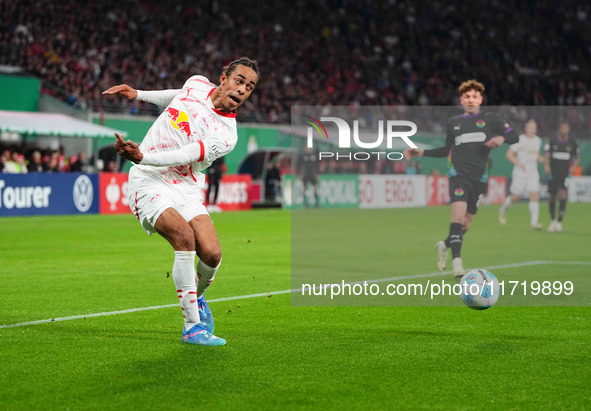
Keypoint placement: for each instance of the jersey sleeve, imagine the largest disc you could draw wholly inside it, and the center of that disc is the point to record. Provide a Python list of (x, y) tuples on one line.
[(209, 149), (501, 128), (444, 150), (187, 154), (161, 98)]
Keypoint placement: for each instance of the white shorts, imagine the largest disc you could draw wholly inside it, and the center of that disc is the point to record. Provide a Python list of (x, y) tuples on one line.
[(150, 195), (522, 183)]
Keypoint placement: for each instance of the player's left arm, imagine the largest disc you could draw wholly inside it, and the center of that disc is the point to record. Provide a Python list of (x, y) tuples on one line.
[(577, 159), (547, 160), (513, 158), (504, 133)]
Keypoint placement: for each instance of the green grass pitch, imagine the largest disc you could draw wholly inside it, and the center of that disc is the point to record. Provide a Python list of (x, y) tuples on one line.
[(281, 356)]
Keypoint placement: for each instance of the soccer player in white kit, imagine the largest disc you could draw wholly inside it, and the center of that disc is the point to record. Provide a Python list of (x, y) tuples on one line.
[(166, 186), (525, 156)]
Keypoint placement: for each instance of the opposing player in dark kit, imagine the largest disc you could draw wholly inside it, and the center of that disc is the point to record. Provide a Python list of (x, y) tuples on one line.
[(561, 158), (470, 137)]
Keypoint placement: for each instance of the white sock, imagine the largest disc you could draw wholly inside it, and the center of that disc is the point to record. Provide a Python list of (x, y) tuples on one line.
[(506, 204), (183, 275), (205, 276), (534, 212)]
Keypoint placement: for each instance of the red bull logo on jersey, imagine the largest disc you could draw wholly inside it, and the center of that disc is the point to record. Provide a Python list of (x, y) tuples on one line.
[(179, 120)]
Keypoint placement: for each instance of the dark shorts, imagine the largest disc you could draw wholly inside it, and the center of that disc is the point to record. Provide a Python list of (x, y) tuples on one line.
[(310, 179), (468, 191), (555, 183)]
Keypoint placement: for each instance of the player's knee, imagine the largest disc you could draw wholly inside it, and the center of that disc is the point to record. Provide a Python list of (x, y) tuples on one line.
[(458, 217), (211, 256), (183, 240)]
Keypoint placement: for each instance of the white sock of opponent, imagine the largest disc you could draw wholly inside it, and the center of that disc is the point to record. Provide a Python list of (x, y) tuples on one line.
[(183, 275), (506, 204), (205, 276), (534, 212)]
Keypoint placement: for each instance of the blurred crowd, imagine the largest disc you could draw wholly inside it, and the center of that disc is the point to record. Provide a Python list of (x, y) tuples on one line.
[(20, 160), (325, 52)]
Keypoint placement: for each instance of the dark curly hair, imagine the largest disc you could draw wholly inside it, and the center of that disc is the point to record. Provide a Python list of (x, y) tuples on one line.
[(243, 61)]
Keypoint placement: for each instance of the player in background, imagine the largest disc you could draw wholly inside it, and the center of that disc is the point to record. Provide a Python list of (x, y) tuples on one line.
[(214, 177), (561, 158), (309, 167), (166, 185), (525, 156), (470, 137)]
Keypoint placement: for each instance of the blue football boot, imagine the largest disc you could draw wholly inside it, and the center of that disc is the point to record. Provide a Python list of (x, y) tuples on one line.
[(198, 335), (205, 314)]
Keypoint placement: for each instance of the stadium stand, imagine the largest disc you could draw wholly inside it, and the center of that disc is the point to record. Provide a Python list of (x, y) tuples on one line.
[(330, 52)]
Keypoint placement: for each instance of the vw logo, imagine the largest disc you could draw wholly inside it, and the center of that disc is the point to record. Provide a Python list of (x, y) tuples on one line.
[(83, 193)]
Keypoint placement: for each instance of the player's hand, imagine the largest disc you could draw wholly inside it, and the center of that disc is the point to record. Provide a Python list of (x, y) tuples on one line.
[(122, 89), (128, 149), (521, 166), (495, 142), (547, 170), (413, 152)]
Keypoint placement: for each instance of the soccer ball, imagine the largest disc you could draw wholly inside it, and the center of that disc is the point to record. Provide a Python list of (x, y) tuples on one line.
[(479, 289)]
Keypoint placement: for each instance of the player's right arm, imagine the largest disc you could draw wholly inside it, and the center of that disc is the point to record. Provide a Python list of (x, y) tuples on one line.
[(435, 152), (203, 150), (501, 129), (513, 158), (159, 97), (184, 155), (411, 153), (547, 160)]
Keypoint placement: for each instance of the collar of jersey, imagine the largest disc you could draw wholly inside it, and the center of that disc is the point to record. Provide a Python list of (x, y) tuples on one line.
[(471, 115), (221, 113)]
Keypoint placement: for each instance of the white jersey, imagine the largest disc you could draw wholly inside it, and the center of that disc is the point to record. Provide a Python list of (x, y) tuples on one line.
[(527, 151), (190, 118)]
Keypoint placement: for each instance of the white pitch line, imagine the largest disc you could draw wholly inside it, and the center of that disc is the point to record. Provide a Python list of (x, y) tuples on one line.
[(243, 297)]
